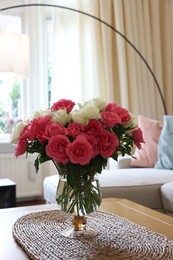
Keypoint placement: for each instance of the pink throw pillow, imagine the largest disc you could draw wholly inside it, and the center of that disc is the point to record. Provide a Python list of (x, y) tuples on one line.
[(147, 155)]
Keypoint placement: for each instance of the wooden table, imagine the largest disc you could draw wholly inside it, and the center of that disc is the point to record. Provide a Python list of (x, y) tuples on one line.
[(155, 221)]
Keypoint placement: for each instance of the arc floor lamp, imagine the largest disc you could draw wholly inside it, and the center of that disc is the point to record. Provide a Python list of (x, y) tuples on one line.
[(109, 26)]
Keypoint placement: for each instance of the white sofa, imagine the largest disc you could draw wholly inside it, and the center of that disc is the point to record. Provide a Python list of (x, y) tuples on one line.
[(145, 186)]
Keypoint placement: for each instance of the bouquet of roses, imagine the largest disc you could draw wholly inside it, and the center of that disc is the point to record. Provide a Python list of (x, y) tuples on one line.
[(78, 138), (82, 138)]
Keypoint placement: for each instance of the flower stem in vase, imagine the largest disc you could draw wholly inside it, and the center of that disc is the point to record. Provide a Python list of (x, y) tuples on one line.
[(81, 200)]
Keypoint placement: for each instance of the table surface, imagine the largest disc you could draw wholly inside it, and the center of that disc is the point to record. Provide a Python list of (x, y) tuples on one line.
[(134, 212)]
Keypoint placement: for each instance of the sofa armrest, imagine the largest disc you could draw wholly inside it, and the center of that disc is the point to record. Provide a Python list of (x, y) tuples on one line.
[(123, 162)]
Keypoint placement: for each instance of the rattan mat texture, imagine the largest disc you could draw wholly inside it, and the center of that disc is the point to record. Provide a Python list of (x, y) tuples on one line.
[(39, 234)]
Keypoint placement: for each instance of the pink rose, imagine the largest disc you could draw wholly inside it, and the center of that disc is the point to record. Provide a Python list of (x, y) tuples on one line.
[(63, 103), (110, 119), (54, 129), (123, 114), (110, 107), (120, 111), (38, 126), (21, 147), (80, 150), (56, 148), (74, 129), (27, 134), (93, 128), (107, 143), (31, 129), (94, 142), (137, 136)]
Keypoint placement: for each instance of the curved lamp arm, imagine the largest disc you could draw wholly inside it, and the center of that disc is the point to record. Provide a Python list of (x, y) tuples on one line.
[(108, 25)]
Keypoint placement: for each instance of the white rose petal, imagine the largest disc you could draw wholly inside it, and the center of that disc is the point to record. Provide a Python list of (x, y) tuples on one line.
[(100, 103), (18, 130), (132, 123), (47, 112), (43, 113), (91, 112), (61, 117), (79, 117), (38, 113)]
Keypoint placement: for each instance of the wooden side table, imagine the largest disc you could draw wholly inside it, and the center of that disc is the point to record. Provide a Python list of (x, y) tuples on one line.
[(7, 193)]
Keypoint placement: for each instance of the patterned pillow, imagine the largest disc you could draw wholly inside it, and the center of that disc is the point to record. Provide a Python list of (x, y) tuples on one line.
[(165, 145), (147, 155)]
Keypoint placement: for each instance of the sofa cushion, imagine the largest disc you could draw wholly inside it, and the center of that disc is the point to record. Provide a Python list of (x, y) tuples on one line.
[(165, 145), (147, 155)]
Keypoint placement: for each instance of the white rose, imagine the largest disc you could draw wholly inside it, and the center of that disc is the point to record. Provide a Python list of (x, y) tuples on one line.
[(43, 113), (87, 112), (18, 130), (100, 103), (37, 113), (91, 112), (61, 117), (132, 124), (79, 117)]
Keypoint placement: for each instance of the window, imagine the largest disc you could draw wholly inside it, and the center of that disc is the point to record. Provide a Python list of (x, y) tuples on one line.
[(9, 104), (61, 65), (10, 109), (49, 37), (19, 99)]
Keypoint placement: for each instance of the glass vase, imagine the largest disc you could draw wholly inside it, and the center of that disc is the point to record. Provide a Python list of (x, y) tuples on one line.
[(81, 200)]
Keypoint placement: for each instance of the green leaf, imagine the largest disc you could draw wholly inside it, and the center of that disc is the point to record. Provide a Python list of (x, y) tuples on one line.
[(73, 173), (43, 158), (34, 147), (36, 164), (115, 156), (98, 163)]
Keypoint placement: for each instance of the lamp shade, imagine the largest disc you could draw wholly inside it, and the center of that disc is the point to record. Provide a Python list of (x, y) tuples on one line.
[(14, 53)]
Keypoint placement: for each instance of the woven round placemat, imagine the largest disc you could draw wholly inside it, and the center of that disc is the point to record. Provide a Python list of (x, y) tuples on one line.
[(39, 234)]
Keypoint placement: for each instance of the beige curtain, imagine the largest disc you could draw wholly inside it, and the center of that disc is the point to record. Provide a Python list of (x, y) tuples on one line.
[(148, 25), (105, 65), (78, 65), (35, 92), (108, 67)]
